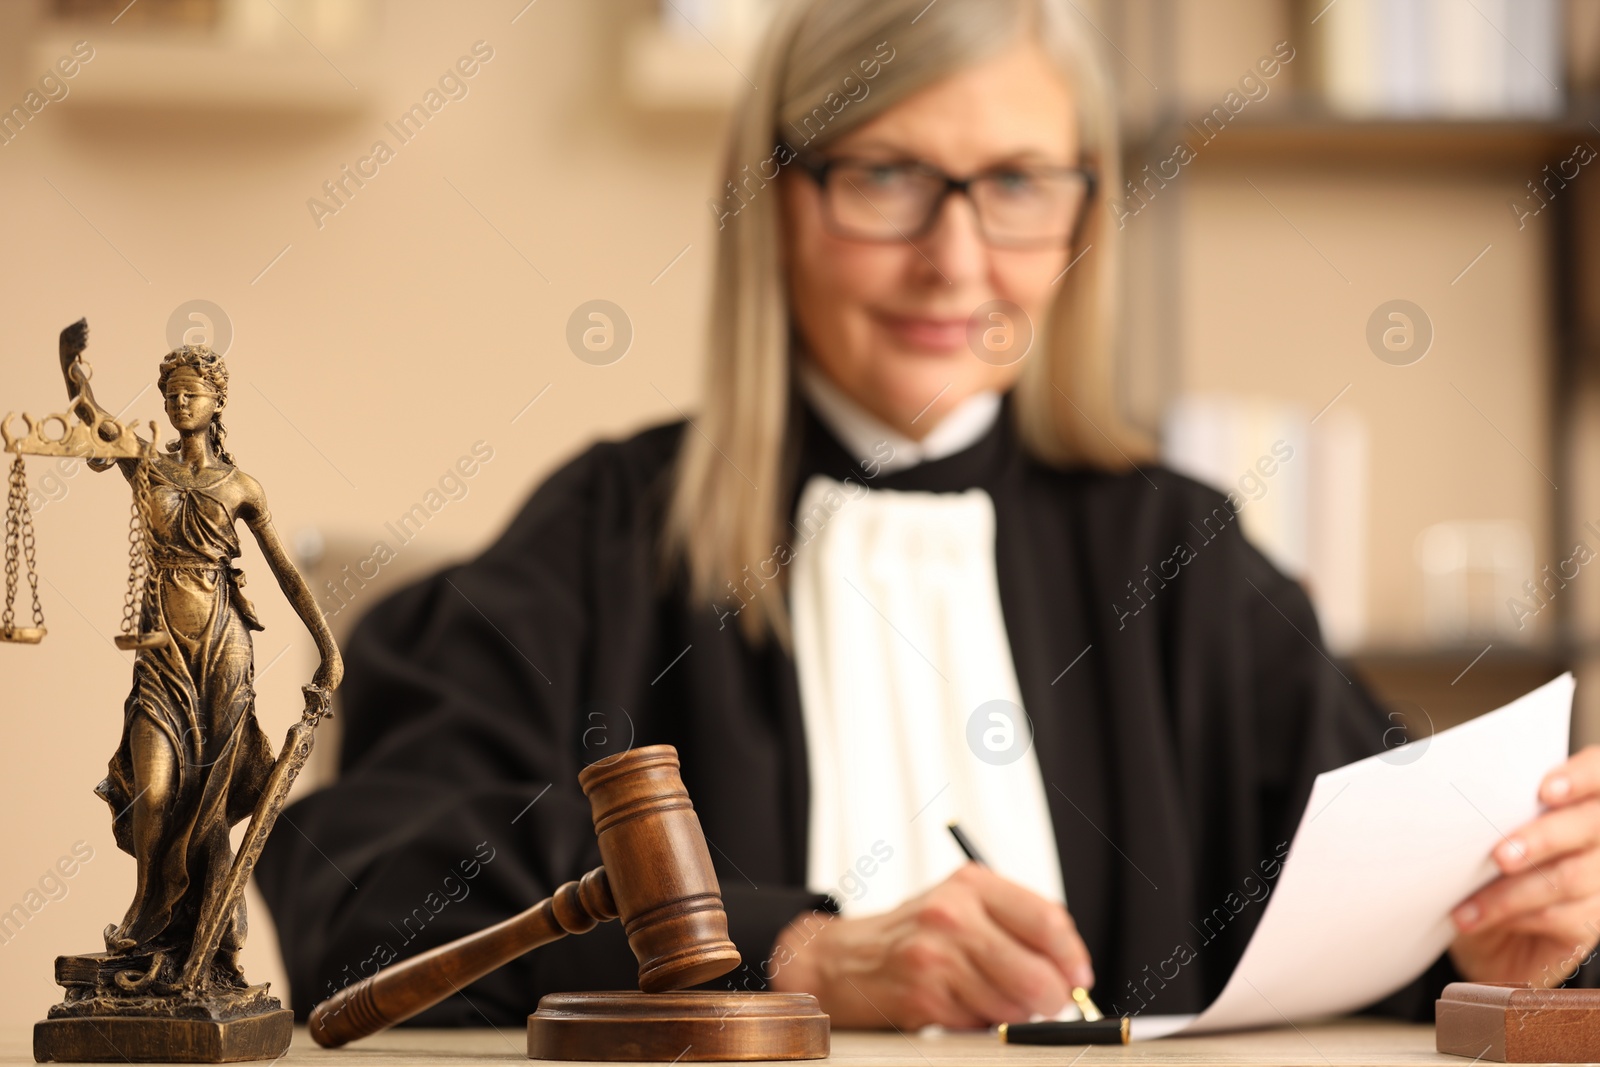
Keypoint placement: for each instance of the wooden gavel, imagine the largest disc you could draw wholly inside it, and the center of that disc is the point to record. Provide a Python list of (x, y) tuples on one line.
[(656, 875)]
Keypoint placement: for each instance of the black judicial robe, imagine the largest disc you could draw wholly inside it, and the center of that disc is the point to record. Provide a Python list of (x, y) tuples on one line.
[(1183, 744)]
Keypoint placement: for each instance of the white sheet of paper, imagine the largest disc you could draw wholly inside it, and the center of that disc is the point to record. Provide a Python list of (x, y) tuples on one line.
[(1386, 847)]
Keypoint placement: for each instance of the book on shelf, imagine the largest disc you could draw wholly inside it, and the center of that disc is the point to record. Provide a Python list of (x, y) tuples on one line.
[(1465, 59)]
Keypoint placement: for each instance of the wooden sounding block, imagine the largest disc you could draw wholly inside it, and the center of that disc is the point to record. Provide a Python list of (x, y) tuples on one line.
[(692, 1026), (1516, 1023)]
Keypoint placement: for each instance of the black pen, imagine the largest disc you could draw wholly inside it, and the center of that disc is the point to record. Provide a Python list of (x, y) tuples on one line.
[(968, 849), (1073, 1032), (1093, 1029)]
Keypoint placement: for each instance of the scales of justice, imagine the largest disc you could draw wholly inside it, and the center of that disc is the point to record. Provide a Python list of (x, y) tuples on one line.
[(193, 761)]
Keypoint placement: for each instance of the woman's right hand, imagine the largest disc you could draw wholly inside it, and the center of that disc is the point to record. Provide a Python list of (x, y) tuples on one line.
[(972, 951)]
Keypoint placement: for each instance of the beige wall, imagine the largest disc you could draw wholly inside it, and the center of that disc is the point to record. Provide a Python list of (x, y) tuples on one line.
[(383, 345)]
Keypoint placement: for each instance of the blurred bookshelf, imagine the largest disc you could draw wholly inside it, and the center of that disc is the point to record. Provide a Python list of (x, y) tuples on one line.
[(1455, 683), (1312, 134), (1373, 130), (289, 57)]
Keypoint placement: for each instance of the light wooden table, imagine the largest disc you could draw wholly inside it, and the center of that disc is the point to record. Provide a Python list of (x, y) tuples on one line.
[(1345, 1043)]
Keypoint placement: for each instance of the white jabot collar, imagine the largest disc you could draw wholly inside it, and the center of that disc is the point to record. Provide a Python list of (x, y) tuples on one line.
[(909, 694), (861, 432)]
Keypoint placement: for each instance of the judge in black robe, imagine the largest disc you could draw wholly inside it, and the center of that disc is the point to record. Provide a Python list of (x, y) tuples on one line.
[(1188, 740)]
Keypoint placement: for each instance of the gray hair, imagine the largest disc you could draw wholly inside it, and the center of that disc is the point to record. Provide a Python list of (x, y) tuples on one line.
[(724, 518)]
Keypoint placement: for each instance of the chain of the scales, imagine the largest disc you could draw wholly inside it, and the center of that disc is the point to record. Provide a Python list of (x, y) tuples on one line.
[(141, 576), (20, 558)]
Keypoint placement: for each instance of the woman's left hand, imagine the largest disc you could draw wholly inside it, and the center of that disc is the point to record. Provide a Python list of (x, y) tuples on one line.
[(1540, 919)]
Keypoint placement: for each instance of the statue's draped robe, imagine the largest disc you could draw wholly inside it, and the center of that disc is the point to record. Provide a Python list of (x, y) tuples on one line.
[(198, 692)]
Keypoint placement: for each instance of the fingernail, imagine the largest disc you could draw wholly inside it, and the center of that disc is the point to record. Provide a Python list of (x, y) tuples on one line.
[(1083, 975), (1466, 915), (1557, 788), (1512, 852)]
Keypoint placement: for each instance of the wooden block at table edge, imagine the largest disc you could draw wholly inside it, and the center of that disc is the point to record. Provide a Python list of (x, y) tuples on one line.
[(686, 1026), (1516, 1023)]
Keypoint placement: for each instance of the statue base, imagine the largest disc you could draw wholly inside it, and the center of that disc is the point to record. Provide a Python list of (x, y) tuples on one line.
[(144, 1019), (689, 1026), (154, 1039)]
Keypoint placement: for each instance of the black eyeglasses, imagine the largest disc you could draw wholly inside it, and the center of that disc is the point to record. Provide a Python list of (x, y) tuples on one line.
[(1018, 206)]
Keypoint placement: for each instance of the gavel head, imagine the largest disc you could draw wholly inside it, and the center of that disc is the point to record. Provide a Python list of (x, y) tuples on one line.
[(658, 869)]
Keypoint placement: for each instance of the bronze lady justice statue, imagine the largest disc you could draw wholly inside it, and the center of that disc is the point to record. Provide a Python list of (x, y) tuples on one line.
[(193, 761)]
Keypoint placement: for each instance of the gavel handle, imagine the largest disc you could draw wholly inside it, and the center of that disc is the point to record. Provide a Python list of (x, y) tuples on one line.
[(398, 992)]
